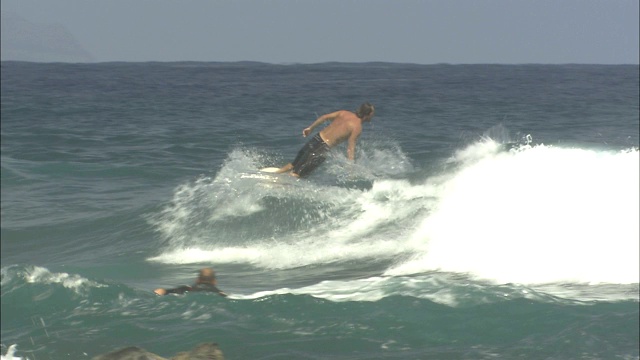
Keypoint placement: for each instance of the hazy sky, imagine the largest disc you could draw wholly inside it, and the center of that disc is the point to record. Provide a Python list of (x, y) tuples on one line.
[(310, 31)]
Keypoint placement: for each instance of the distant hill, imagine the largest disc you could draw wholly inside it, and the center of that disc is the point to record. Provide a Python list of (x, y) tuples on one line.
[(22, 40)]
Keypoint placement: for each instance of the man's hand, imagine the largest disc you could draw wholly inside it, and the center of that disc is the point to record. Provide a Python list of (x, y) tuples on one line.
[(306, 131)]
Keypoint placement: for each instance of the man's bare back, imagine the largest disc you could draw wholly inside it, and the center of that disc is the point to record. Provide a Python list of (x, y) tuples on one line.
[(345, 126)]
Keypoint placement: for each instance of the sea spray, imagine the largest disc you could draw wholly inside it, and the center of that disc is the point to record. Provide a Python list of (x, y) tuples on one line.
[(235, 218)]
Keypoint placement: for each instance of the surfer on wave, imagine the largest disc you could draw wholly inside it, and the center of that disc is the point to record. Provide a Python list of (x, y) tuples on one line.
[(345, 126)]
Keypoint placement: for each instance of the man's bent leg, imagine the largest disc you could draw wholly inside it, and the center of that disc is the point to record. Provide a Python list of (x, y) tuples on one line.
[(285, 168), (310, 165)]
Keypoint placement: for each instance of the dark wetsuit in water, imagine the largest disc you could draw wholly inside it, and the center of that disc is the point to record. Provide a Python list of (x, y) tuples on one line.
[(196, 287), (310, 156)]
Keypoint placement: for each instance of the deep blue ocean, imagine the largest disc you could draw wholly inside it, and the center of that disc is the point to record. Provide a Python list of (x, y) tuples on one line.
[(491, 213)]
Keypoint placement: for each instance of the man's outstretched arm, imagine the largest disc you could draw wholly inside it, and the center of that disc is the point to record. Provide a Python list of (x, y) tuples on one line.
[(178, 290), (319, 121)]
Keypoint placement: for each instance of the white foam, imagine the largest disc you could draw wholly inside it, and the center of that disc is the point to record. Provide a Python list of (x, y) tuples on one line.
[(451, 290), (354, 228), (274, 255), (41, 275), (540, 215), (369, 289), (10, 354), (367, 227)]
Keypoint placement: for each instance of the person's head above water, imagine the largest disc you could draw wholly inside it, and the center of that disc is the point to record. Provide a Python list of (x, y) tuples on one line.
[(206, 276), (365, 111)]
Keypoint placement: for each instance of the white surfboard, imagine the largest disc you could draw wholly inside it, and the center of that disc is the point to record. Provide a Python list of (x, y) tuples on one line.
[(268, 175), (264, 177), (269, 169)]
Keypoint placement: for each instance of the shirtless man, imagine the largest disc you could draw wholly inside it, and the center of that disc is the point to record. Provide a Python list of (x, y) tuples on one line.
[(345, 126)]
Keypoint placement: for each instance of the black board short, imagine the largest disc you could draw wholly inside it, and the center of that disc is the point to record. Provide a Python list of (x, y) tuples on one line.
[(310, 156)]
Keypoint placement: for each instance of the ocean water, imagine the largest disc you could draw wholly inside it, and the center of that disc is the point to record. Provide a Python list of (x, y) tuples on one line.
[(492, 211)]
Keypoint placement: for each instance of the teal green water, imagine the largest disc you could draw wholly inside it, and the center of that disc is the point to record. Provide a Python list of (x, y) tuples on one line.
[(492, 211)]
